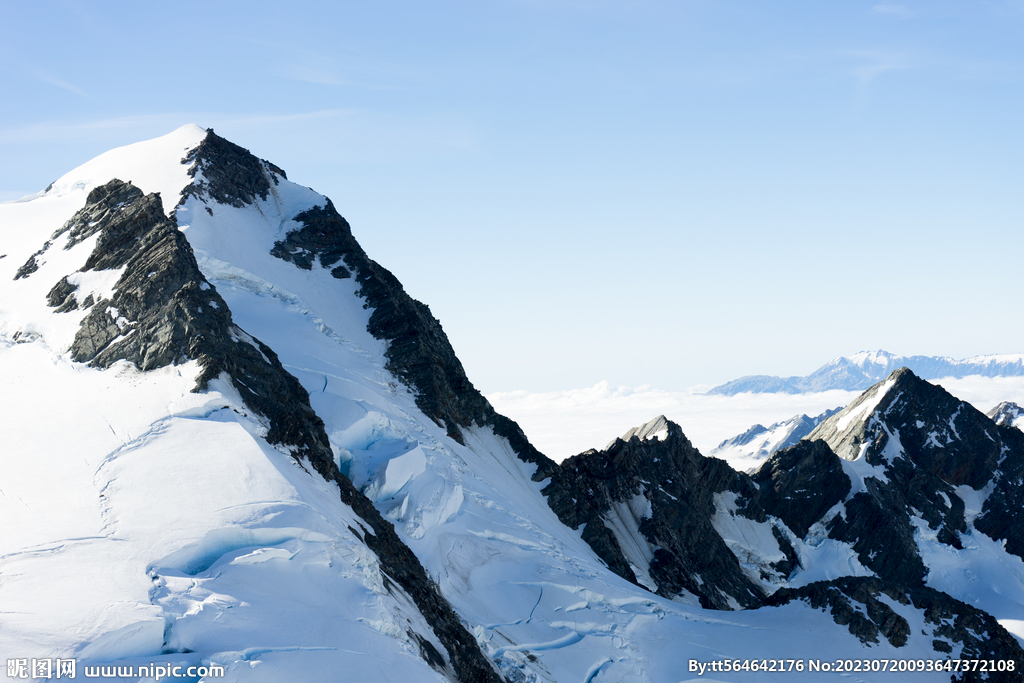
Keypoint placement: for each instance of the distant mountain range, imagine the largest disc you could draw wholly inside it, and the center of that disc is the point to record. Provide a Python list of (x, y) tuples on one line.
[(861, 370)]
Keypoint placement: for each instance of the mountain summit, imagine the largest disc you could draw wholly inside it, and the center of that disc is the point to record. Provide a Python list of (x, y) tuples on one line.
[(233, 443)]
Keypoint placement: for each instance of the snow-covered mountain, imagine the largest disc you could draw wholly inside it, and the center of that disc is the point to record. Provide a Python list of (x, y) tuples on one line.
[(754, 446), (861, 370), (1008, 414), (232, 440)]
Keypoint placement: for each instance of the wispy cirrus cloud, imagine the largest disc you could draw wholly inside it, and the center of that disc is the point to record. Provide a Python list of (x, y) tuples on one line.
[(45, 77)]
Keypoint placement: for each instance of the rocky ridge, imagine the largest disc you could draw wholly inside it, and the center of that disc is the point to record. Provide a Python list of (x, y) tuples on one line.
[(645, 504), (759, 442), (229, 174), (908, 447)]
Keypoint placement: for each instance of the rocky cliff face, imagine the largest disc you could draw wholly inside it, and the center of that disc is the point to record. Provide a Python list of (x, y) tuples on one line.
[(917, 445), (647, 503)]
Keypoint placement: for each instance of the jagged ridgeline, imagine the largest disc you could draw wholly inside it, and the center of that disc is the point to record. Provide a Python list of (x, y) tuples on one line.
[(879, 485)]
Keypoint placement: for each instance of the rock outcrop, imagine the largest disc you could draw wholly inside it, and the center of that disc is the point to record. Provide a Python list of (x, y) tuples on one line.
[(860, 604), (647, 503)]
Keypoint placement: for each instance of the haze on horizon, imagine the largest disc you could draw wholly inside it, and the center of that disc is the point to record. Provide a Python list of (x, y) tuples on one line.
[(659, 193)]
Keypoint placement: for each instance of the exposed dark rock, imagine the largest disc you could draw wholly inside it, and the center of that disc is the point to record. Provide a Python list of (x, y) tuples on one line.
[(101, 212), (62, 296), (925, 443), (856, 604), (1002, 517), (878, 527), (678, 484), (229, 174), (800, 484), (165, 312), (32, 264)]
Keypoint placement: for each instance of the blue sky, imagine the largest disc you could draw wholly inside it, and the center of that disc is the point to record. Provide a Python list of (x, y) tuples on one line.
[(648, 193)]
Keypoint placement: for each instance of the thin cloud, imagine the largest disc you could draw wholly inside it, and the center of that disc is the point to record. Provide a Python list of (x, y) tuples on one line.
[(50, 79)]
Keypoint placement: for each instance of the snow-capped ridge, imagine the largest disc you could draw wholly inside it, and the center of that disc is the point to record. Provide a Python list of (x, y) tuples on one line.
[(1007, 414), (861, 370), (758, 443)]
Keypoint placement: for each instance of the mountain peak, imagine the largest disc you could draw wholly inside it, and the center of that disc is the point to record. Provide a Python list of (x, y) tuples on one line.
[(906, 414), (658, 428), (1007, 414)]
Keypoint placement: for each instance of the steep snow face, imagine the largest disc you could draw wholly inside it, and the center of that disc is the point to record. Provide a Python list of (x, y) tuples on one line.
[(148, 165)]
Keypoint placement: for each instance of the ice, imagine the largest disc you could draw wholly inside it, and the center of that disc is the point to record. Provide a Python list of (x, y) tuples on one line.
[(753, 543)]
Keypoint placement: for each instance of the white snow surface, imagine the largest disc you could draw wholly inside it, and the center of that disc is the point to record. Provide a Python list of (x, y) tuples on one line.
[(144, 522)]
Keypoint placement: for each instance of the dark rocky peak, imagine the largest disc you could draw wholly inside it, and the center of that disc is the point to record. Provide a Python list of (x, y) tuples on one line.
[(905, 416), (911, 445), (646, 505), (228, 174), (1006, 414), (866, 607)]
